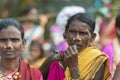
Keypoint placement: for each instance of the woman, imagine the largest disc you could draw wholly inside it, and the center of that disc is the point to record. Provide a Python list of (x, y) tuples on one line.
[(12, 45), (37, 56), (112, 49), (32, 31), (84, 61)]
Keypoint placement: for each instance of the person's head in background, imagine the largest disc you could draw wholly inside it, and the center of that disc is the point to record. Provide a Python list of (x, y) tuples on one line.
[(117, 25), (31, 14), (36, 50), (65, 13), (105, 13), (79, 31)]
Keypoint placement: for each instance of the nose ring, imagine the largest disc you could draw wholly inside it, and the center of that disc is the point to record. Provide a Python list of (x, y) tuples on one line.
[(76, 39), (4, 47), (11, 47)]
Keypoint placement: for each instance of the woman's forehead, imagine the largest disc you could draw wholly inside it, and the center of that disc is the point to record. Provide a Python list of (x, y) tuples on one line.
[(10, 31), (76, 24)]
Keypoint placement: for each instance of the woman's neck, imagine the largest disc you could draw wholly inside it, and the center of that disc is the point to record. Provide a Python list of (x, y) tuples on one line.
[(8, 65)]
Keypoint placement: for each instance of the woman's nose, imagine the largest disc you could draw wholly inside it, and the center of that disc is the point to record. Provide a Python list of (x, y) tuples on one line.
[(78, 37), (9, 45)]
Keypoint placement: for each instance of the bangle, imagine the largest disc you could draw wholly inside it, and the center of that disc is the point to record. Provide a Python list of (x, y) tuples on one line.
[(75, 79)]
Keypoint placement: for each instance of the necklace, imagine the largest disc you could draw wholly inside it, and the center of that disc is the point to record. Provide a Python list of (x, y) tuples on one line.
[(12, 75)]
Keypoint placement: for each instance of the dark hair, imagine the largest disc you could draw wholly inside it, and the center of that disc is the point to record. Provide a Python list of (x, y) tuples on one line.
[(12, 22), (84, 17), (117, 23), (28, 9), (37, 43)]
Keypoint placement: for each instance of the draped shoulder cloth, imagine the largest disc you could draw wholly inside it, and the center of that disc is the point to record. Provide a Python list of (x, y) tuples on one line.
[(90, 61)]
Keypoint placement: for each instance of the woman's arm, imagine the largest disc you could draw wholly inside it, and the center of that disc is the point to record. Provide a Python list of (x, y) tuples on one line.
[(46, 65), (99, 75)]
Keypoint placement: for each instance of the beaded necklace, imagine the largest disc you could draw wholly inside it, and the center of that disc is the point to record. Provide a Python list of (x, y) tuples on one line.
[(12, 75)]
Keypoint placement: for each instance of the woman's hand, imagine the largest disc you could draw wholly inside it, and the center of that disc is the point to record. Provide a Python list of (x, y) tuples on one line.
[(71, 59)]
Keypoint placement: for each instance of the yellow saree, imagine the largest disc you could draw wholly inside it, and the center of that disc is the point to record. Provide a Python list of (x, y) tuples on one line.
[(89, 62)]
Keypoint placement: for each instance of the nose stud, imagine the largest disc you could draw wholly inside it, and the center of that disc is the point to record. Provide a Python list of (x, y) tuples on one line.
[(9, 47), (76, 39), (4, 47)]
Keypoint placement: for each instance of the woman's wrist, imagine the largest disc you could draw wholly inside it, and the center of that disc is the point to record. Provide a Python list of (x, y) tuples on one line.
[(74, 72)]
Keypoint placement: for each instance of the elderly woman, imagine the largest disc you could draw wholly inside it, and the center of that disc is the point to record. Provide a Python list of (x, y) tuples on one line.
[(12, 45), (84, 61)]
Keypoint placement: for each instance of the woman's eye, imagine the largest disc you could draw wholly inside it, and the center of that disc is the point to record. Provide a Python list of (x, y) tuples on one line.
[(3, 40), (73, 32), (83, 33), (15, 40)]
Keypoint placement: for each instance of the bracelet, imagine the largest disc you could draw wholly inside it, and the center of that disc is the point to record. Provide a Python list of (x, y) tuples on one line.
[(75, 79)]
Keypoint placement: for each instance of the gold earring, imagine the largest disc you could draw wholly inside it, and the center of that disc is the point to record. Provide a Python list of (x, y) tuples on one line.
[(4, 47), (11, 47)]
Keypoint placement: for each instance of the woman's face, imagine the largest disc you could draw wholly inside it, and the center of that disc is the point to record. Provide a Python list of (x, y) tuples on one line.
[(35, 52), (11, 43), (32, 15), (78, 34)]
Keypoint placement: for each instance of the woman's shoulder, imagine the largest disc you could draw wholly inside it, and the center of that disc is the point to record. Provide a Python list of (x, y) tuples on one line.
[(26, 69)]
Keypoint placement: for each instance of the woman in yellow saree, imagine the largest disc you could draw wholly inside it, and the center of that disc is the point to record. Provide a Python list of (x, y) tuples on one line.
[(84, 61)]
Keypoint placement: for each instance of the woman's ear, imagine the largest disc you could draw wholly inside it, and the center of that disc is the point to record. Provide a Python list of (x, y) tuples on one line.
[(24, 43), (23, 46), (93, 37)]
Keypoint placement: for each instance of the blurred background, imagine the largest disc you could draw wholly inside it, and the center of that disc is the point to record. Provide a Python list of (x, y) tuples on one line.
[(44, 21), (16, 8)]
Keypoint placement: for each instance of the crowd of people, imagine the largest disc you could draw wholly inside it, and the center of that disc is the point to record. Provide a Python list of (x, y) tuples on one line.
[(72, 53)]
